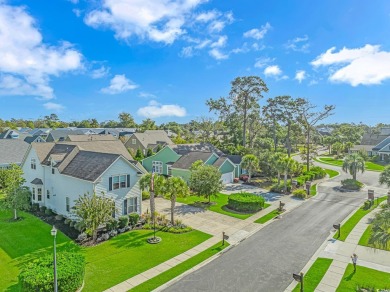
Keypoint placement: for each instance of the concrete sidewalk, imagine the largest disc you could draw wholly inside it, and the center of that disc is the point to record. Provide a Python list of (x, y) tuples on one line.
[(341, 253)]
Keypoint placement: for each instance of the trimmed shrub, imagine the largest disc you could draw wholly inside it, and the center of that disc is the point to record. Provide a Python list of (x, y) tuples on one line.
[(123, 221), (42, 209), (67, 221), (112, 225), (145, 195), (280, 188), (245, 202), (38, 274), (300, 194), (351, 184), (133, 219), (35, 207), (48, 212)]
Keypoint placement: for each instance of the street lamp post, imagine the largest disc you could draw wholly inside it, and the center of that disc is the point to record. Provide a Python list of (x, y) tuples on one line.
[(54, 234)]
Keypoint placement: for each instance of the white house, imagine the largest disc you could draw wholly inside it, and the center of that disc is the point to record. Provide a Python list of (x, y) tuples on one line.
[(58, 173)]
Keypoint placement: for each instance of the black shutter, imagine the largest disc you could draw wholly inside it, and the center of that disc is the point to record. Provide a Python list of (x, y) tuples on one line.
[(128, 180), (110, 184), (125, 207), (136, 204)]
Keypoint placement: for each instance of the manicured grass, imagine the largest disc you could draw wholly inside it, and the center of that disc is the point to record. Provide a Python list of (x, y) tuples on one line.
[(268, 217), (108, 263), (332, 173), (20, 242), (363, 277), (314, 275), (179, 269), (366, 236), (347, 227), (338, 162), (128, 254), (313, 190), (217, 205)]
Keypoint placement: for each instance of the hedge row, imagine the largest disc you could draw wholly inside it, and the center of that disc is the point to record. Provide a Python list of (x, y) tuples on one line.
[(315, 172), (38, 274), (245, 202)]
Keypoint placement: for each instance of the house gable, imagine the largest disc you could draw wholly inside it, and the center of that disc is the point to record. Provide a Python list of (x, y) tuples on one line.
[(165, 155)]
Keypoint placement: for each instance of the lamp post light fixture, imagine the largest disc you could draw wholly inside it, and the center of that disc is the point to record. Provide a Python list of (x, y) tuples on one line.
[(54, 234)]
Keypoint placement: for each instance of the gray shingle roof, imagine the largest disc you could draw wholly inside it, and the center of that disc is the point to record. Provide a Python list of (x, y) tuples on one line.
[(85, 138), (219, 161), (37, 181), (372, 140), (236, 159), (12, 151), (188, 159), (200, 147), (88, 165), (382, 144)]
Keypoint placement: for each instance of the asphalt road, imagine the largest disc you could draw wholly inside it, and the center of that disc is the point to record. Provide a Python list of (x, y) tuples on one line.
[(266, 260)]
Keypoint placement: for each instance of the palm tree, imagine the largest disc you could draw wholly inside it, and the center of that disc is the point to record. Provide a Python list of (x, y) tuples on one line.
[(175, 187), (277, 163), (380, 236), (354, 163), (286, 164), (251, 163), (153, 183), (384, 177)]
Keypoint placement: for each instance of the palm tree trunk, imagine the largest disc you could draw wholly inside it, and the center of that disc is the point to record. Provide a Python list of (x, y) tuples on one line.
[(285, 182), (152, 206), (250, 176), (15, 215), (173, 202), (94, 235)]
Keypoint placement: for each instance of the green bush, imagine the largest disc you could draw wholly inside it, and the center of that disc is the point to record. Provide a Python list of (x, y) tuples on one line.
[(145, 195), (67, 221), (245, 202), (300, 193), (123, 221), (367, 205), (38, 274), (112, 224), (42, 209), (48, 212), (35, 207), (280, 188), (351, 184), (133, 219), (72, 223)]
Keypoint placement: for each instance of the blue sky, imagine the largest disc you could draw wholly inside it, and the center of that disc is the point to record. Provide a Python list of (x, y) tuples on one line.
[(163, 59)]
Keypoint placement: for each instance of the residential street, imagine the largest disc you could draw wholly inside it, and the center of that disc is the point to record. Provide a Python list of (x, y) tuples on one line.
[(266, 260)]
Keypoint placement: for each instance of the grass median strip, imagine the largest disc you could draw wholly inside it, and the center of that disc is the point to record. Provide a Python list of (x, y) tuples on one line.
[(172, 273), (338, 162), (364, 278), (314, 275), (347, 227), (332, 173), (268, 217)]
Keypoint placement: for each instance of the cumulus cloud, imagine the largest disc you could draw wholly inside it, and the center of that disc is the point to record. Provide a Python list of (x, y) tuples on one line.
[(366, 65), (53, 106), (217, 54), (272, 71), (300, 75), (155, 20), (207, 16), (221, 42), (100, 72), (299, 44), (119, 84), (146, 95), (27, 63), (157, 110), (262, 62), (256, 33)]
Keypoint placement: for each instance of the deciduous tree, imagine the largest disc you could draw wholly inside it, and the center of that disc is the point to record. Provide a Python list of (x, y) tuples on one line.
[(206, 181)]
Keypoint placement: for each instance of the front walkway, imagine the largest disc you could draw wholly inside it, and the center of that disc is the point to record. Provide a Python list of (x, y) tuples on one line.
[(341, 253)]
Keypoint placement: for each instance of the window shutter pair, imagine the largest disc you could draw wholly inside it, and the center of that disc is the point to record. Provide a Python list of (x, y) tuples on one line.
[(125, 207), (128, 180), (110, 184)]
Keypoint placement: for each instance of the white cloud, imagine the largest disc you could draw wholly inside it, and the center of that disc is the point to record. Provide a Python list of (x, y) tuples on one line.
[(262, 62), (77, 12), (272, 71), (366, 65), (100, 72), (119, 84), (53, 106), (156, 110), (207, 16), (156, 20), (258, 33), (221, 42), (299, 44), (217, 54), (26, 63), (300, 75), (187, 52), (146, 95)]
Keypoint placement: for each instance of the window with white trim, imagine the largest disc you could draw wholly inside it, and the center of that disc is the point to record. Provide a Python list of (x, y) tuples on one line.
[(33, 193), (119, 182), (67, 201), (133, 141), (39, 191), (169, 169), (33, 163), (157, 167), (132, 205), (48, 194)]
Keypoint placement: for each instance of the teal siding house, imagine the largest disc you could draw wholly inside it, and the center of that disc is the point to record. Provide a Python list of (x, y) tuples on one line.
[(177, 160)]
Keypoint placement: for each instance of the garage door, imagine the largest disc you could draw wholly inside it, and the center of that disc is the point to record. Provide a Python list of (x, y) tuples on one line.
[(227, 178)]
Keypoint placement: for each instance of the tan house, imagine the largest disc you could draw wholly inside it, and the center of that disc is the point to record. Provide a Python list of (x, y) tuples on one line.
[(150, 139)]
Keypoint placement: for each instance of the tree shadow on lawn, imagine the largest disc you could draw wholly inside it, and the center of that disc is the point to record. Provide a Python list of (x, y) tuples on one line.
[(194, 208), (130, 239)]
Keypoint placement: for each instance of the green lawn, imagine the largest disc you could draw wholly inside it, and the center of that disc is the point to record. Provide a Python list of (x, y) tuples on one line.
[(313, 190), (347, 227), (268, 217), (129, 254), (338, 162), (108, 264), (363, 277), (366, 236), (314, 275), (332, 173), (179, 269), (218, 205)]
